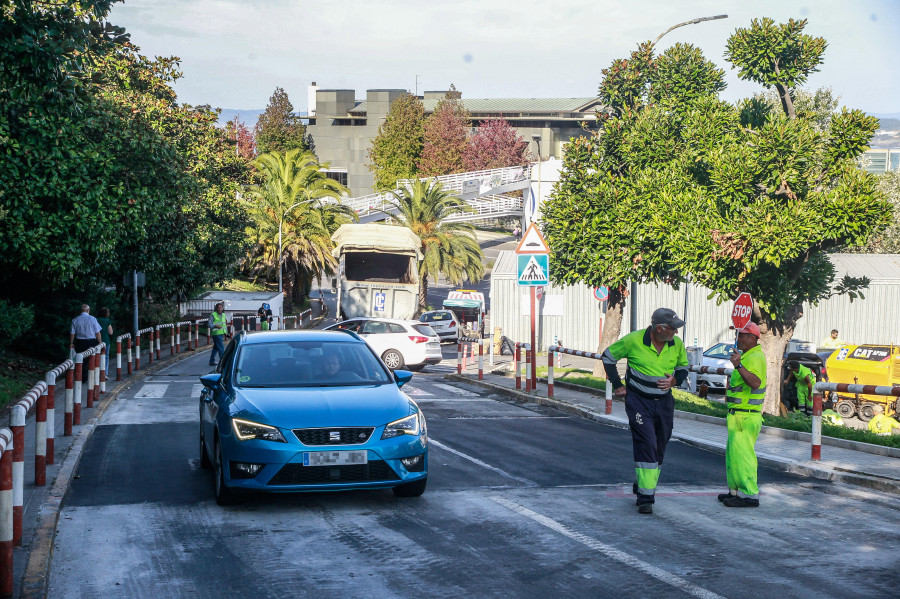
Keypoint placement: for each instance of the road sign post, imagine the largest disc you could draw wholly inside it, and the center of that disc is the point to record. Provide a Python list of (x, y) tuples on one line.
[(533, 256)]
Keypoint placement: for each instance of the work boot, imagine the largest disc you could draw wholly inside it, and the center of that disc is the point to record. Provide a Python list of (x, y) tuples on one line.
[(741, 502), (645, 508), (724, 496)]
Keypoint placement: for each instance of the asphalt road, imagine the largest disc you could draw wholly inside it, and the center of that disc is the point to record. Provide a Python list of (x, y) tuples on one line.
[(521, 502)]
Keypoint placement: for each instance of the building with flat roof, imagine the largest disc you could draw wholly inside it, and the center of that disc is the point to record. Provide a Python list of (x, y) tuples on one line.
[(343, 127)]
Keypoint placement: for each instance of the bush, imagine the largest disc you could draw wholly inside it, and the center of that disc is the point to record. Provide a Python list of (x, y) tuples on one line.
[(17, 320)]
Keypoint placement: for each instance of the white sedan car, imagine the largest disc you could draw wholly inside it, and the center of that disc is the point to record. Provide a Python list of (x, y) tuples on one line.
[(716, 357), (444, 322), (400, 343)]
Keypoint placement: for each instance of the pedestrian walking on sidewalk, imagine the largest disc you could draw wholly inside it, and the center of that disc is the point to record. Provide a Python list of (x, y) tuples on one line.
[(84, 334), (218, 326), (657, 361), (745, 396), (106, 331)]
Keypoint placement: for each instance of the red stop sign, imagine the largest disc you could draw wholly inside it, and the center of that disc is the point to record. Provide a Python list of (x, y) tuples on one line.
[(743, 310)]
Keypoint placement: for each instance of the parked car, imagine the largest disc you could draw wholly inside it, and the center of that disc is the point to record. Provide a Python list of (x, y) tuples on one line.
[(444, 322), (716, 357), (400, 343), (291, 411)]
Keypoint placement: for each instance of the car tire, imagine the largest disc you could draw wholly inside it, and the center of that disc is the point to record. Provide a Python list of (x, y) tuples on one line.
[(205, 462), (845, 408), (393, 359), (413, 489), (224, 495)]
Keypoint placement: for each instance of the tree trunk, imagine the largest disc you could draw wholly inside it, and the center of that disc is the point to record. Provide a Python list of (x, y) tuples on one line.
[(786, 102), (774, 338), (423, 293), (612, 325)]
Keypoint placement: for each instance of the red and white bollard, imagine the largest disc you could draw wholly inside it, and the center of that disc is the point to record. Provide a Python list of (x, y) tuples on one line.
[(480, 359), (550, 370), (76, 395), (40, 439), (119, 358), (129, 356), (70, 401), (517, 360), (459, 349), (527, 357), (608, 387), (817, 427), (6, 513), (137, 351), (50, 379), (102, 369), (90, 382)]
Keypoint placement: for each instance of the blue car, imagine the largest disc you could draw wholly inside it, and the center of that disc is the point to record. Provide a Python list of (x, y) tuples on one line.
[(289, 411)]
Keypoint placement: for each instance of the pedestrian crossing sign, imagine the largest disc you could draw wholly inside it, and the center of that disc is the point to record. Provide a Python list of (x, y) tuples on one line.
[(533, 269)]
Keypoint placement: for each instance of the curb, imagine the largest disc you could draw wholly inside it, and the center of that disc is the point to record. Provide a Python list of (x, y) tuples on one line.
[(37, 572), (887, 485)]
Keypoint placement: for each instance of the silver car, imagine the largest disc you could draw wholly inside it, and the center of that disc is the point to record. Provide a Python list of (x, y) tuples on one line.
[(716, 357), (444, 322)]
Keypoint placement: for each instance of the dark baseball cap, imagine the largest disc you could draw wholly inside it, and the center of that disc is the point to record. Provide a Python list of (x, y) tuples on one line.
[(667, 317)]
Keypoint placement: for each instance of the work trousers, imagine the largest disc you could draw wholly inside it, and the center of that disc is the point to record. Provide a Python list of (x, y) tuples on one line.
[(218, 347), (650, 421), (803, 398), (740, 453)]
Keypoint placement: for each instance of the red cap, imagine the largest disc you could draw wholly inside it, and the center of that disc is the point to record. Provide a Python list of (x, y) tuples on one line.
[(751, 328)]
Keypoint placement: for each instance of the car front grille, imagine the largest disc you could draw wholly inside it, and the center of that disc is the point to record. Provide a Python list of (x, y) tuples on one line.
[(341, 436), (298, 474)]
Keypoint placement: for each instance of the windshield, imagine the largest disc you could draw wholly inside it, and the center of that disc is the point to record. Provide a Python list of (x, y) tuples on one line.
[(719, 350), (308, 364), (425, 330), (436, 317)]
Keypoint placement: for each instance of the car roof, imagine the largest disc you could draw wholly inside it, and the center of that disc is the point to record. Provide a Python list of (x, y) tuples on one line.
[(301, 335), (397, 320)]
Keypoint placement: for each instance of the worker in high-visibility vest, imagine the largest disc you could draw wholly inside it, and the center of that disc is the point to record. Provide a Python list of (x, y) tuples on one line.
[(657, 362), (218, 326), (745, 397), (881, 424), (804, 380), (829, 416)]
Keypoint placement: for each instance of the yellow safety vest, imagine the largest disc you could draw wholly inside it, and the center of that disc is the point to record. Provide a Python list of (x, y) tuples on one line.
[(219, 319), (739, 394)]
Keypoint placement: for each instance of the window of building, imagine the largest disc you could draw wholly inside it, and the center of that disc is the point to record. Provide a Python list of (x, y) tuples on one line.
[(339, 176)]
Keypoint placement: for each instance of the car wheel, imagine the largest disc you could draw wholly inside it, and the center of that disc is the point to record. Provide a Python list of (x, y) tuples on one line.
[(392, 359), (845, 408), (866, 412), (413, 489), (416, 367), (205, 462), (224, 495)]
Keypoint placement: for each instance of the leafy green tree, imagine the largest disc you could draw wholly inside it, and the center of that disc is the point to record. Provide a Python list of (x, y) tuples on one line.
[(888, 241), (602, 220), (278, 128), (396, 149), (449, 248), (445, 138), (295, 194)]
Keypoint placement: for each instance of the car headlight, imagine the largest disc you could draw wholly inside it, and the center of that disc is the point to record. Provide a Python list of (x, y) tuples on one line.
[(404, 426), (245, 430)]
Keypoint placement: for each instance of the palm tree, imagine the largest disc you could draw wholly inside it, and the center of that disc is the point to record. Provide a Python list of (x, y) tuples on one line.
[(449, 248), (304, 203)]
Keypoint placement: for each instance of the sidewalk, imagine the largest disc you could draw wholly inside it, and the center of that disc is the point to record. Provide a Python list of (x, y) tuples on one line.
[(789, 451)]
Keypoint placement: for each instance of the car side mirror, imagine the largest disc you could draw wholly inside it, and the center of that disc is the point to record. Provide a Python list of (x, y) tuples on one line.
[(211, 381), (402, 377)]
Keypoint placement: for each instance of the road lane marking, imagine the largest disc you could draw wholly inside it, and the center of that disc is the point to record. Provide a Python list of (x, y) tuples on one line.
[(196, 389), (487, 466), (152, 390), (456, 390), (609, 551), (416, 392)]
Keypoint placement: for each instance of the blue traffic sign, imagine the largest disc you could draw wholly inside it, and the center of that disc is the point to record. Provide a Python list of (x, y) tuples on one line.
[(379, 302), (601, 293), (533, 269)]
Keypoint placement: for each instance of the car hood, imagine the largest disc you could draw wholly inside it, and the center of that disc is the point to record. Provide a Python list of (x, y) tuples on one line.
[(310, 407)]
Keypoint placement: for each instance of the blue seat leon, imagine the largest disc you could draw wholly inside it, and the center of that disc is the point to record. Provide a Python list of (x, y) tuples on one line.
[(293, 411)]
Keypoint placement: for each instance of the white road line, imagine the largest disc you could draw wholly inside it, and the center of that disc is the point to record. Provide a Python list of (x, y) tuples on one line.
[(611, 552), (456, 390), (152, 390), (416, 392), (453, 399), (478, 462), (504, 417), (196, 389)]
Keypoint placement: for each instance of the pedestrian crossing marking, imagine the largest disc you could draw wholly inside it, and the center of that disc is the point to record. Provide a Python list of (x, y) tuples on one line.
[(196, 389), (416, 392), (152, 391)]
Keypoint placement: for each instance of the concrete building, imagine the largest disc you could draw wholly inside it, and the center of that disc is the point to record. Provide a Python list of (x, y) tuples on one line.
[(343, 126)]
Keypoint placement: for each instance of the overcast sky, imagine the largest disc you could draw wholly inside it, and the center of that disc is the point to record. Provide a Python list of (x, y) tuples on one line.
[(235, 52)]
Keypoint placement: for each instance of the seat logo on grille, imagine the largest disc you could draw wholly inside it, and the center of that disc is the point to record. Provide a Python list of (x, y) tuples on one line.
[(334, 436)]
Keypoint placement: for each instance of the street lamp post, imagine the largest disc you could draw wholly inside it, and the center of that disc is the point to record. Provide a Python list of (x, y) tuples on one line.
[(280, 223), (633, 294), (536, 137)]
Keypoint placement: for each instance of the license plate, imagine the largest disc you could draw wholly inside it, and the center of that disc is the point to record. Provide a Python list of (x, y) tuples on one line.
[(434, 345), (335, 458)]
